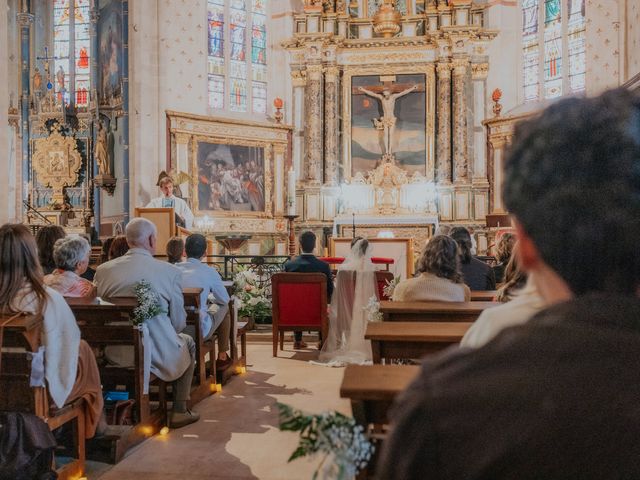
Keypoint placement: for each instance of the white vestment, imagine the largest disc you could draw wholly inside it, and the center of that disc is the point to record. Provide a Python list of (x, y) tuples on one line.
[(170, 354), (179, 206)]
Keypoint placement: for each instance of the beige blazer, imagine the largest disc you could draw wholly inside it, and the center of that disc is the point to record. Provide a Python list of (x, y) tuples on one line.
[(170, 355)]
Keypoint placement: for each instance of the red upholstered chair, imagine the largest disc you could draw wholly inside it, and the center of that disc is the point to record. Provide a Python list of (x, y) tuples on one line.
[(299, 304), (382, 277)]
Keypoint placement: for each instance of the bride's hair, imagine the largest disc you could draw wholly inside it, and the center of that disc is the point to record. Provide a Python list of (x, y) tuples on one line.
[(364, 244)]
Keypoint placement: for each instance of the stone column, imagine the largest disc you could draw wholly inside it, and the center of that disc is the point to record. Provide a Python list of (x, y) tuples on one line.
[(93, 35), (298, 81), (443, 147), (5, 157), (25, 20), (313, 125), (460, 153), (479, 72), (332, 73)]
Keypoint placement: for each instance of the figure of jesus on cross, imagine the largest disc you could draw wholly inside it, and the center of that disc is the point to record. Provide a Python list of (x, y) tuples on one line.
[(388, 95)]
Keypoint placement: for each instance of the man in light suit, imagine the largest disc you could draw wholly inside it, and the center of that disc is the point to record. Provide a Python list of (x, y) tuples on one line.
[(308, 263), (196, 274), (172, 353)]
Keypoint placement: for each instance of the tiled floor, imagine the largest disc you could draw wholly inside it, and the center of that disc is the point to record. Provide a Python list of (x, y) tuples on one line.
[(237, 436)]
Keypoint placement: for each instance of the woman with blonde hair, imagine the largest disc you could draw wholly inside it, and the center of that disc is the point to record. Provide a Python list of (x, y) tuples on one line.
[(439, 277), (70, 368)]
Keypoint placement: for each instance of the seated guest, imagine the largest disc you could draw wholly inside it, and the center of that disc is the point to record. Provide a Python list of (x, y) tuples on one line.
[(69, 364), (106, 245), (46, 237), (119, 247), (71, 255), (556, 397), (196, 274), (172, 358), (307, 262), (475, 273), (503, 255), (521, 302), (438, 278), (89, 273), (175, 250)]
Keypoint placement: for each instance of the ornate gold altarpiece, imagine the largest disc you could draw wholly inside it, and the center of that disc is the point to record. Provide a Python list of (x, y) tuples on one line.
[(335, 45)]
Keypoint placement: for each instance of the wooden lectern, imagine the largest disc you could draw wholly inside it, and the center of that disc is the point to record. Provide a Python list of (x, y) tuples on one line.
[(165, 221)]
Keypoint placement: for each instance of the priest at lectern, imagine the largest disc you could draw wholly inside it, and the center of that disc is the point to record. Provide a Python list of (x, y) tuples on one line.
[(184, 216)]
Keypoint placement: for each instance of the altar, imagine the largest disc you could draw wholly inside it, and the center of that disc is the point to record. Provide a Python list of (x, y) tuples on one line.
[(372, 225)]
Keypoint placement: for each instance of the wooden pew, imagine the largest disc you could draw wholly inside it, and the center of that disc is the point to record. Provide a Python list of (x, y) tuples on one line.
[(483, 295), (16, 394), (409, 340), (371, 390), (205, 377), (433, 311), (96, 321)]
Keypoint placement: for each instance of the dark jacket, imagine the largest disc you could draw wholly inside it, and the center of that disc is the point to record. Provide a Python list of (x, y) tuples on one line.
[(478, 275), (308, 263), (555, 398)]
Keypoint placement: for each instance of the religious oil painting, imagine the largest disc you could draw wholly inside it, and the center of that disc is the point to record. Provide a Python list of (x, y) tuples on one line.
[(110, 52), (231, 178), (388, 119)]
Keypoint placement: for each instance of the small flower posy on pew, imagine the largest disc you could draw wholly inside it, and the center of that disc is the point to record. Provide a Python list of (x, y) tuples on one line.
[(331, 433), (390, 286), (372, 309), (149, 304)]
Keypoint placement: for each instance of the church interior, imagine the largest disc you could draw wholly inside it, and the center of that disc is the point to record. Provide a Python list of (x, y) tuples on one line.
[(257, 125)]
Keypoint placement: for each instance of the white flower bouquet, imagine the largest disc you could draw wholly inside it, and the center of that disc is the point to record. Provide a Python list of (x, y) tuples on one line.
[(149, 304), (372, 309), (390, 286), (333, 434), (253, 299)]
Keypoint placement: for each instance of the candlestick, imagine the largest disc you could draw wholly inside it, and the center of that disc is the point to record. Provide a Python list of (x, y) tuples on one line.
[(292, 234), (291, 192)]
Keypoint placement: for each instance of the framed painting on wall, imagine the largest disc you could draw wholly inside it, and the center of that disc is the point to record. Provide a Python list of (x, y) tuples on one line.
[(111, 25), (231, 178)]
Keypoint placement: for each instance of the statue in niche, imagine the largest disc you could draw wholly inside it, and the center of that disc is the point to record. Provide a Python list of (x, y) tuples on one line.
[(37, 81), (100, 151), (387, 123)]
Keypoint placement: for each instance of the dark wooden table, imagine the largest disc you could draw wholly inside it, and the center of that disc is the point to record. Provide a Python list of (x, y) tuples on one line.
[(409, 340), (433, 311)]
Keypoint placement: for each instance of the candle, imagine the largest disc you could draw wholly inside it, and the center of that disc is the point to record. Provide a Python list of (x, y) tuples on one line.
[(291, 192)]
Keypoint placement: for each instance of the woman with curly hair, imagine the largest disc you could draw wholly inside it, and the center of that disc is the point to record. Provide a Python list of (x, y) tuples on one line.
[(504, 252), (439, 277), (46, 238)]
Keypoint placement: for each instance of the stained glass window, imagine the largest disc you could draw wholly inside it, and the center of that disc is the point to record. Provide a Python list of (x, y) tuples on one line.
[(553, 57), (72, 51), (237, 55)]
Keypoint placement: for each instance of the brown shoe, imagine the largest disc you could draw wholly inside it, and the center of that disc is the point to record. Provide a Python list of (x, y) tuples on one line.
[(182, 419), (299, 345), (222, 365)]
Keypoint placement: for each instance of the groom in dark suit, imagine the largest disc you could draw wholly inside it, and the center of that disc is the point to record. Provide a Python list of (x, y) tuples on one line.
[(308, 263)]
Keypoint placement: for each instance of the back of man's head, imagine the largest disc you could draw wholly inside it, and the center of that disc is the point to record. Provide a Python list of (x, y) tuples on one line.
[(195, 246), (308, 241), (463, 238), (138, 232), (572, 180)]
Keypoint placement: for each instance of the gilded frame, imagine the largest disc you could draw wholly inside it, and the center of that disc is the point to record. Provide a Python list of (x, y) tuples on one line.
[(428, 70), (267, 147)]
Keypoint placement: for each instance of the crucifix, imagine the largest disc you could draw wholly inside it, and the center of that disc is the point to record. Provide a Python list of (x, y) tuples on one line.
[(387, 94), (47, 71)]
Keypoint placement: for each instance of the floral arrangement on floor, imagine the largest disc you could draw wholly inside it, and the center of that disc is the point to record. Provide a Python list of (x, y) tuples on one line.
[(253, 299), (372, 310), (336, 436), (148, 302), (390, 287)]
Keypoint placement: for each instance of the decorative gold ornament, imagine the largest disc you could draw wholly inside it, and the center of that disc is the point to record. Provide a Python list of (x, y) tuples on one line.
[(57, 161), (386, 21)]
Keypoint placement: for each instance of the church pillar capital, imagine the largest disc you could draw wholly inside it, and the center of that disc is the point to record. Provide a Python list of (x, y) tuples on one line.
[(331, 73), (314, 72), (182, 138), (25, 19), (443, 69), (298, 78), (479, 71), (460, 66)]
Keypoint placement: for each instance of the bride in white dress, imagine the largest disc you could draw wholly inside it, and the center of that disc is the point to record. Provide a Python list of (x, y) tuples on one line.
[(355, 285)]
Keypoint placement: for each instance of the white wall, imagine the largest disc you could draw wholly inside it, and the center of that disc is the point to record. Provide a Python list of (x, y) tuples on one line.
[(605, 44), (168, 71), (633, 38)]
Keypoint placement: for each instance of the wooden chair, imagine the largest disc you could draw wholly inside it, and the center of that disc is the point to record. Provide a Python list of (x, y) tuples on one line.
[(24, 333), (205, 377), (107, 323), (382, 278), (299, 304)]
